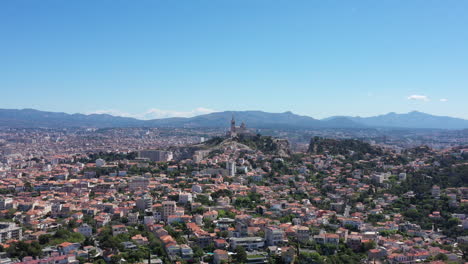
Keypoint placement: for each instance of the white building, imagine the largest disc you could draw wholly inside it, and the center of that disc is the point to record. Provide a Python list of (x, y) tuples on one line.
[(9, 230), (169, 208), (274, 236), (231, 167), (249, 243), (144, 202), (402, 176), (185, 198), (6, 203), (100, 163), (197, 188)]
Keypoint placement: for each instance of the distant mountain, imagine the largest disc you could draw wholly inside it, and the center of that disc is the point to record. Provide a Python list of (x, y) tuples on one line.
[(410, 120), (342, 122), (257, 119), (30, 118)]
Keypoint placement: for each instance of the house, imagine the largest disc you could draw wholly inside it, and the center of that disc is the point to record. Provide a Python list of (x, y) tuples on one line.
[(220, 256), (376, 253), (186, 252), (353, 222), (210, 215), (140, 240), (119, 229), (354, 242), (129, 245), (203, 238), (397, 258), (327, 239), (220, 243), (303, 234), (172, 249), (67, 247)]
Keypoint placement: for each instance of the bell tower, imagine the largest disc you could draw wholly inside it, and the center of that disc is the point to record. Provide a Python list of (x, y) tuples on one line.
[(233, 127)]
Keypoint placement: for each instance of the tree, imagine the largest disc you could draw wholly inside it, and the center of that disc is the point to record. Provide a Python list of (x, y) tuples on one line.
[(115, 259), (313, 257), (464, 250), (44, 239), (28, 187), (199, 210), (241, 255), (368, 245), (22, 249), (89, 241), (221, 193), (441, 256), (197, 252)]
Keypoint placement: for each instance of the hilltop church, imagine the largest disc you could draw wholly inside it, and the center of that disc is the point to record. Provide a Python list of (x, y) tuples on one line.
[(237, 131)]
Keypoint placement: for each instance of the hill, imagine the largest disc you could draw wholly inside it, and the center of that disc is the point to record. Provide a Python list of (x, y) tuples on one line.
[(413, 119), (344, 147), (30, 118), (265, 144)]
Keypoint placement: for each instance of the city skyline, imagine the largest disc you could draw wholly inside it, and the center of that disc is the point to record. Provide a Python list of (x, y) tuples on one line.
[(164, 59)]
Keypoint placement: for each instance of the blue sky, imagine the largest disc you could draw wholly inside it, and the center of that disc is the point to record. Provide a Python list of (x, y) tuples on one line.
[(180, 58)]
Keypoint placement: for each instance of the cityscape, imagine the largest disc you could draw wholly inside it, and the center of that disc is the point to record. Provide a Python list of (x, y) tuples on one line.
[(142, 195), (233, 132)]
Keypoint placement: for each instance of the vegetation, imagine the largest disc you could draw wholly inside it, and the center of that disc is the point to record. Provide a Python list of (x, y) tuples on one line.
[(22, 249), (266, 144), (60, 236), (320, 145), (241, 254)]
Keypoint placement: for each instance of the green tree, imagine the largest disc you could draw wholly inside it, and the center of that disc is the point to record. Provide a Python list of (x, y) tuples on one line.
[(22, 249), (44, 239), (368, 245), (241, 254), (441, 256)]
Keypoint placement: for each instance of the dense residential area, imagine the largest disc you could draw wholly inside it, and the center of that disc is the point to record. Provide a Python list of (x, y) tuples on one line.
[(238, 197)]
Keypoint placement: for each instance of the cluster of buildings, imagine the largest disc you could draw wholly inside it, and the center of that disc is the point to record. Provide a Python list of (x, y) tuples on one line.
[(207, 208)]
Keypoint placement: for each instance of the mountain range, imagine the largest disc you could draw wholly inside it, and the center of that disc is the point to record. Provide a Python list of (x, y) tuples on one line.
[(30, 118)]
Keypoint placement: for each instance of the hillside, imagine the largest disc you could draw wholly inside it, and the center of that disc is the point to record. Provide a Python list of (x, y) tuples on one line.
[(265, 144), (320, 145)]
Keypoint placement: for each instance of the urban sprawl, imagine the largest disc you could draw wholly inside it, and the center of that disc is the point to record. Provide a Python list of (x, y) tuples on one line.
[(136, 195)]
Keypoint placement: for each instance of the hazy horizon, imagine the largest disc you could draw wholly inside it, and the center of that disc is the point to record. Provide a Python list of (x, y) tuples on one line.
[(158, 114)]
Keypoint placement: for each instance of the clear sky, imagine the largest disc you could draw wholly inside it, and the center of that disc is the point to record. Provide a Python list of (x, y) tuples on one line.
[(160, 58)]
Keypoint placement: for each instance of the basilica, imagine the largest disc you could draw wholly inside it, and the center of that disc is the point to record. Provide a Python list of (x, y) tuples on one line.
[(237, 131)]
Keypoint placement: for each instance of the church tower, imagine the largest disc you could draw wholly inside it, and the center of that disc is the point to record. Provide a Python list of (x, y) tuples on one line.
[(233, 127), (243, 128)]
